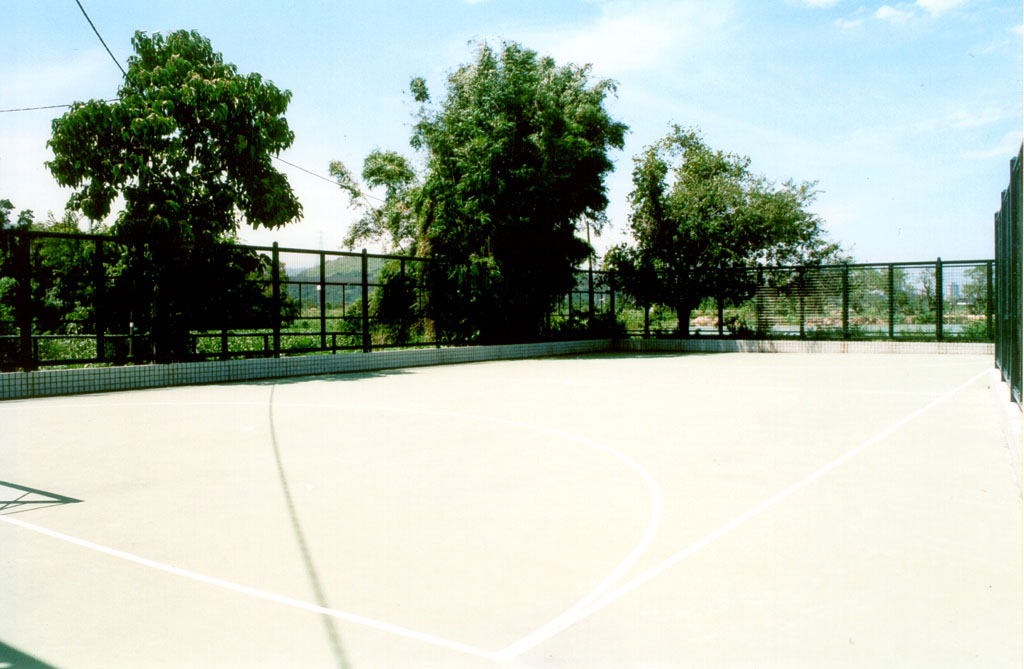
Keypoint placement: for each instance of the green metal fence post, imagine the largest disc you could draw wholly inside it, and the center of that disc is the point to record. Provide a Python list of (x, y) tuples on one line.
[(846, 301), (938, 299), (323, 301), (800, 291), (99, 288), (590, 295), (615, 317), (1014, 286), (138, 307), (366, 304), (989, 301), (994, 294), (275, 274), (721, 303), (758, 299), (403, 335), (23, 314), (892, 302), (224, 327)]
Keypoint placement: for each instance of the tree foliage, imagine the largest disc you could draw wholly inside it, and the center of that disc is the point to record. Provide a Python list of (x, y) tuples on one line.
[(393, 221), (55, 276), (8, 284), (23, 220), (188, 145), (696, 210), (516, 156), (975, 291)]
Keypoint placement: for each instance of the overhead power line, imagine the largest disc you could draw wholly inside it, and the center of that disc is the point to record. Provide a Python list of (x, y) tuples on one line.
[(102, 41), (320, 176), (25, 109), (311, 172), (281, 160), (22, 109)]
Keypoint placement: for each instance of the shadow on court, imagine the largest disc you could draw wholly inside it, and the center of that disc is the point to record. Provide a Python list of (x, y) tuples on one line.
[(16, 498), (330, 628), (12, 658)]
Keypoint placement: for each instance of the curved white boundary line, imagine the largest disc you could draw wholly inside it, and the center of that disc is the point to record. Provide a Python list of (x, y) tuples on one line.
[(577, 610), (563, 620), (528, 643)]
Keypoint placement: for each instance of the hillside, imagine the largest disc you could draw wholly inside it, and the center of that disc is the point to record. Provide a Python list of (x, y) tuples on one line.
[(344, 269)]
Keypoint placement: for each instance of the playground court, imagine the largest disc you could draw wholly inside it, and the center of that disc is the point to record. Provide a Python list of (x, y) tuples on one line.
[(611, 510)]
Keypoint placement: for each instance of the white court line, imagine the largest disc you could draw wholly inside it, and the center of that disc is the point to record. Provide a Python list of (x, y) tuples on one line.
[(590, 604), (533, 640), (261, 594), (570, 614)]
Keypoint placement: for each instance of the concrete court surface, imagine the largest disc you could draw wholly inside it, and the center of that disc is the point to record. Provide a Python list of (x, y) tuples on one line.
[(616, 510)]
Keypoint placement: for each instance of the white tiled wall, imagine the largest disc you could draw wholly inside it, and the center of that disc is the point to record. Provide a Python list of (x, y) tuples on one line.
[(105, 379), (796, 346)]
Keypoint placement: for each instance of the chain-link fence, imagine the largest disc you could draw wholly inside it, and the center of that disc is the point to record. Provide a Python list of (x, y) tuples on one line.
[(76, 299), (588, 309), (73, 299), (910, 301), (1008, 264)]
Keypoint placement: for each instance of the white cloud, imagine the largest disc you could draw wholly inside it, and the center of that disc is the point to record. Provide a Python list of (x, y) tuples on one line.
[(1006, 147), (849, 24), (963, 119), (1007, 41), (632, 36), (819, 4), (936, 7), (905, 11), (896, 14), (967, 119)]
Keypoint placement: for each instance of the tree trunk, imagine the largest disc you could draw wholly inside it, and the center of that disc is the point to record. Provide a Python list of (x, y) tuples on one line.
[(171, 304), (683, 310)]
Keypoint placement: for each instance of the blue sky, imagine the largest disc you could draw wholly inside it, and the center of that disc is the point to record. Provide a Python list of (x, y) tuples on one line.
[(906, 113)]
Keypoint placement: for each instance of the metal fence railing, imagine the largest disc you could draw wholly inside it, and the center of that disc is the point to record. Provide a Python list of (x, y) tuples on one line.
[(1008, 268), (589, 303), (76, 299), (936, 301)]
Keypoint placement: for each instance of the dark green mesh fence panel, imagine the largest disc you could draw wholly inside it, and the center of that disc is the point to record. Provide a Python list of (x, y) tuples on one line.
[(1008, 281)]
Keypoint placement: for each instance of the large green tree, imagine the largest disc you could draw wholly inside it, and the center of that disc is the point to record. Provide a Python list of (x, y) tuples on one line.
[(188, 144), (696, 211), (516, 157)]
